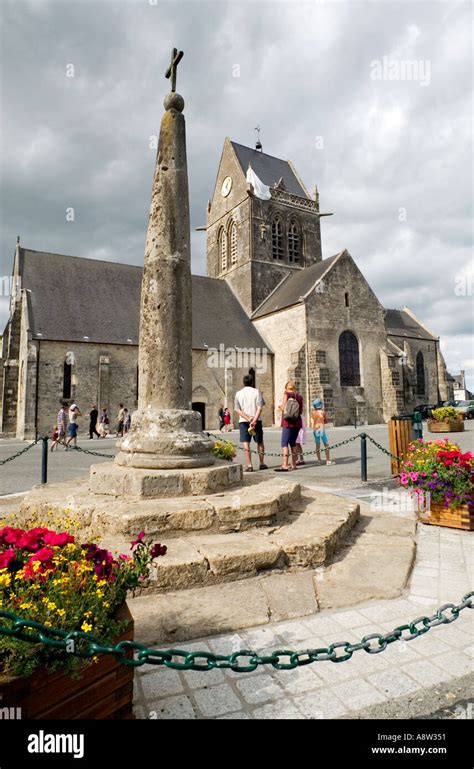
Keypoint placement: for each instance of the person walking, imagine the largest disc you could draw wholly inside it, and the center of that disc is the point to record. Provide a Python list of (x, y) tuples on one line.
[(248, 404), (119, 421), (127, 421), (291, 423), (62, 423), (93, 416), (74, 414), (318, 422), (220, 414), (227, 419), (104, 423)]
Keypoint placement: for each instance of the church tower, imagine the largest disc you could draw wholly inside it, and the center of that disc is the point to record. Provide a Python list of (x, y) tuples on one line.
[(261, 225)]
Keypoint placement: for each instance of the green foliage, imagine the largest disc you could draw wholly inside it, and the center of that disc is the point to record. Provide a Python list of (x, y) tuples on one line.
[(224, 450), (445, 414)]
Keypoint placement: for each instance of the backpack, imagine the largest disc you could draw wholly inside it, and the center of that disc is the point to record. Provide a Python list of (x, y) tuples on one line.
[(292, 410)]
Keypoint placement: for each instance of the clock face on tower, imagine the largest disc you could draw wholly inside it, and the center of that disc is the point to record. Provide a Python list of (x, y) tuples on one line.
[(226, 186)]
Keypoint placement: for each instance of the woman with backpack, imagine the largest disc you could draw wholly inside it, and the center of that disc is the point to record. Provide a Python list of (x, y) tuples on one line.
[(291, 422)]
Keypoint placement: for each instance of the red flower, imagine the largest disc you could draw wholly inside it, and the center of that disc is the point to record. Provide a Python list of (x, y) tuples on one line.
[(11, 536), (43, 555), (158, 550), (58, 540), (6, 557), (138, 540)]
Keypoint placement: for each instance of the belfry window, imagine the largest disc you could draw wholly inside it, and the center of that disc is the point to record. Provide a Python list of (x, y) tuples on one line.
[(222, 239), (277, 238), (233, 242), (293, 242)]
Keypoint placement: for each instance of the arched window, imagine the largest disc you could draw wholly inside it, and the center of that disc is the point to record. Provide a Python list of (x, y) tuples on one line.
[(222, 239), (233, 242), (277, 238), (293, 242), (420, 374), (67, 377), (349, 359)]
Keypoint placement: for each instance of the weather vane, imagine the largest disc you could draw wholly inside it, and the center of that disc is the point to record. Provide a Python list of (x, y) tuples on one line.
[(171, 72), (258, 143)]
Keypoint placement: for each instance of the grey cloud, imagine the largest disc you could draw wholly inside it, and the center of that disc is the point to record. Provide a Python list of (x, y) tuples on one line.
[(304, 73)]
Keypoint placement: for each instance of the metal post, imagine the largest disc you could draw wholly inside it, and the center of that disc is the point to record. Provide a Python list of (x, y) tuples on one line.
[(44, 460), (363, 457)]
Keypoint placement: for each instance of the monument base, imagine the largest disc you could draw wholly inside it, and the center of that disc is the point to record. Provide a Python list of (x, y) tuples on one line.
[(162, 439), (136, 482)]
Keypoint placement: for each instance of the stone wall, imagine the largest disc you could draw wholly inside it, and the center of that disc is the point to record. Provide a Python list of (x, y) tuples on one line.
[(88, 362), (285, 333), (217, 387), (327, 316), (430, 358)]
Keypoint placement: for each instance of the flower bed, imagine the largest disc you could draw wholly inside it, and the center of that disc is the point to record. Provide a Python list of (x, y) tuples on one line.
[(442, 477), (445, 420), (48, 577)]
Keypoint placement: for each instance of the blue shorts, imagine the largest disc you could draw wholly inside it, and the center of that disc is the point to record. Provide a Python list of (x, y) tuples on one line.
[(289, 436), (72, 430), (244, 432), (320, 434)]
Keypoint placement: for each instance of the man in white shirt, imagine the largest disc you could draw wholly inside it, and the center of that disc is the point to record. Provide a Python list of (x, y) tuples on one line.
[(248, 405), (74, 414)]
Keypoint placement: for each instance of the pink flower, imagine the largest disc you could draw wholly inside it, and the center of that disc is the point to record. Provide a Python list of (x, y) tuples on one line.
[(125, 557), (138, 539), (413, 476)]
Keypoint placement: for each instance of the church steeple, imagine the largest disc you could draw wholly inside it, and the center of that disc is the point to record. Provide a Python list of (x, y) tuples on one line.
[(262, 223)]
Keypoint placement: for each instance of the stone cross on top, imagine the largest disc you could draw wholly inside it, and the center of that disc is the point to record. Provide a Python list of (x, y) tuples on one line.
[(171, 72)]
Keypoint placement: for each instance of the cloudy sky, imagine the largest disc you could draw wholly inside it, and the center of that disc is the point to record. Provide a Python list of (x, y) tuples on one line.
[(392, 157)]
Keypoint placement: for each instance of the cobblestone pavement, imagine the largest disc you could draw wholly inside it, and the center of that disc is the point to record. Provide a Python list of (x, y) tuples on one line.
[(443, 572)]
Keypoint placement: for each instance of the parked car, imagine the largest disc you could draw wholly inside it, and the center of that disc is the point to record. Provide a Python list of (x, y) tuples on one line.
[(465, 408), (425, 410)]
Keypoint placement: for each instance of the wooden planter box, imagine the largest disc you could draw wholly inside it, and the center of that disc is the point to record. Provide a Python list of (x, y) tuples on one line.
[(105, 690), (450, 426), (439, 515)]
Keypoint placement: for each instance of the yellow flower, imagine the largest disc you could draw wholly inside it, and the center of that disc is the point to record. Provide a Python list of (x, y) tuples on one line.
[(5, 580), (25, 606), (61, 612), (106, 604), (99, 593), (86, 627), (48, 623)]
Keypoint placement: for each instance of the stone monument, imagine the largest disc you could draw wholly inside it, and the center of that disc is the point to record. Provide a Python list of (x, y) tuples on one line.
[(166, 435)]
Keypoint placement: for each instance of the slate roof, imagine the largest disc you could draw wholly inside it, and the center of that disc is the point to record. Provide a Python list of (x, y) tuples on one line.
[(269, 169), (292, 288), (70, 298), (400, 323)]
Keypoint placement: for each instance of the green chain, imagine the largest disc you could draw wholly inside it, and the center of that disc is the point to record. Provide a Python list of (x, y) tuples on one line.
[(134, 654), (392, 456), (19, 453), (92, 453), (270, 454)]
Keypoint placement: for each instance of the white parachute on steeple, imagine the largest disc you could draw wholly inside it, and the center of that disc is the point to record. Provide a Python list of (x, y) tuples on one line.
[(260, 189)]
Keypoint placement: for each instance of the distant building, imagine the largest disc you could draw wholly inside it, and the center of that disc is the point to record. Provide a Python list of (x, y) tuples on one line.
[(460, 391), (73, 325)]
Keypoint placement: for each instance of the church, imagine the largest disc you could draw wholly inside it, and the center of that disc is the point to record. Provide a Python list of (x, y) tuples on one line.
[(270, 306)]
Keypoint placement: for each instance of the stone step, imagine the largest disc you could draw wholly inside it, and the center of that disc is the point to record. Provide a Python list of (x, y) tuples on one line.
[(246, 506), (302, 539)]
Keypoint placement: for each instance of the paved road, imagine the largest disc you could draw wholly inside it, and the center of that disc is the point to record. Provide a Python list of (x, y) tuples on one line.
[(25, 472), (430, 676)]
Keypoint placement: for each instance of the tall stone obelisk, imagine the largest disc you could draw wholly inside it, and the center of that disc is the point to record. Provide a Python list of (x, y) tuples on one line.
[(165, 432)]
